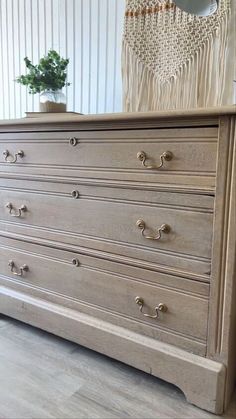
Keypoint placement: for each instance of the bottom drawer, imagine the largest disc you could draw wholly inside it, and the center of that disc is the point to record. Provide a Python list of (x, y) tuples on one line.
[(145, 298)]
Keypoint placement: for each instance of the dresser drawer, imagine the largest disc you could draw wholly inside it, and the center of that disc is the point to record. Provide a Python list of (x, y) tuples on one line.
[(169, 224), (148, 154), (99, 284)]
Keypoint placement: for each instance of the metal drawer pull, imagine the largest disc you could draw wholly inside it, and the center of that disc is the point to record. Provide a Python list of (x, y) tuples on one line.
[(165, 228), (73, 141), (161, 307), (167, 155), (13, 212), (23, 268), (12, 159)]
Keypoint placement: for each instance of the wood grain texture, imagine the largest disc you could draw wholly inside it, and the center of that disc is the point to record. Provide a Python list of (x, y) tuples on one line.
[(85, 282), (185, 267), (188, 343), (117, 221), (222, 334), (199, 117), (79, 383), (165, 361), (119, 152), (113, 154), (190, 269)]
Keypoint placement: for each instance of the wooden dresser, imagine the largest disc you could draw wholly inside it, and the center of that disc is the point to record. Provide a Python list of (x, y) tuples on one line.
[(118, 232)]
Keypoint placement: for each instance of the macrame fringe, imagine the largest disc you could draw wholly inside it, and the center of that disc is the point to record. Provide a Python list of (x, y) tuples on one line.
[(200, 82)]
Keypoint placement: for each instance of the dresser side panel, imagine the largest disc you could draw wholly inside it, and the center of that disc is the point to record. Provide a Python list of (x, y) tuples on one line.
[(222, 311)]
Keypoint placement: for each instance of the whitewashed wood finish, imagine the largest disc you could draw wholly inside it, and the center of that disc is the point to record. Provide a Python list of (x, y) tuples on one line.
[(113, 220), (193, 150), (98, 260), (222, 334), (165, 361), (162, 334), (89, 32), (96, 386), (194, 154), (207, 380), (85, 282), (185, 266)]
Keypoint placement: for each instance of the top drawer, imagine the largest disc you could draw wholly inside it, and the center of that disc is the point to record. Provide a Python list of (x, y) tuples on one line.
[(136, 155)]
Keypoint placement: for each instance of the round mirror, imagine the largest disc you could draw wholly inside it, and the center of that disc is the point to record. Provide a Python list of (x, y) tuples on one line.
[(198, 7)]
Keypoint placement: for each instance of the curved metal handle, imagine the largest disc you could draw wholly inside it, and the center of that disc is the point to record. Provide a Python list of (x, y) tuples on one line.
[(13, 212), (165, 228), (12, 159), (23, 268), (167, 155), (161, 307)]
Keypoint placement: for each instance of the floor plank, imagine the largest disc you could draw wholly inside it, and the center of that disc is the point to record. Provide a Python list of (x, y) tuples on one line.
[(43, 376)]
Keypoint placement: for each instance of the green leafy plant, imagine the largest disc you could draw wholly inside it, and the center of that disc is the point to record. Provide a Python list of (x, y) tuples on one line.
[(49, 74)]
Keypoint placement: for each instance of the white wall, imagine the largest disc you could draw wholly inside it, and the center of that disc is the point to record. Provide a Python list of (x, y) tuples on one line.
[(88, 32)]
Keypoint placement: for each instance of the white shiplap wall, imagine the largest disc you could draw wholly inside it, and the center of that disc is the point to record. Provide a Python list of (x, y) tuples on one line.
[(89, 32)]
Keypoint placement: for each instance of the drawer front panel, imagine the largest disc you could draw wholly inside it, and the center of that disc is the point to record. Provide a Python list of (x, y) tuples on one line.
[(192, 150), (114, 221), (117, 293)]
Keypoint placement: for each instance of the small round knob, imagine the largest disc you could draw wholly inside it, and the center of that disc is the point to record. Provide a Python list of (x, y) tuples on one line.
[(140, 224), (20, 153), (9, 205), (23, 208), (139, 301), (75, 194), (162, 307), (165, 228), (73, 141), (75, 262), (141, 155), (168, 155)]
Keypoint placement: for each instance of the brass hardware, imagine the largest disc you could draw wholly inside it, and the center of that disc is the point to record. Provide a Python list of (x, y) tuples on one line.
[(167, 155), (165, 228), (75, 262), (160, 308), (75, 194), (73, 141), (23, 268), (13, 212), (6, 153)]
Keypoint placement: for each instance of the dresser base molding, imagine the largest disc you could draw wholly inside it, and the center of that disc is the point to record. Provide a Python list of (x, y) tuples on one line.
[(201, 380)]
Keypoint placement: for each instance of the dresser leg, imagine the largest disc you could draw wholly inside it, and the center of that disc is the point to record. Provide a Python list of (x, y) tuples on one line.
[(207, 401)]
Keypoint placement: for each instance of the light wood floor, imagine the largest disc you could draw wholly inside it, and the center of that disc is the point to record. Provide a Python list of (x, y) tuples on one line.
[(43, 376)]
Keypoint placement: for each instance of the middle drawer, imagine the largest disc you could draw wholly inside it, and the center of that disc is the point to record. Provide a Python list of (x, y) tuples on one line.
[(152, 223)]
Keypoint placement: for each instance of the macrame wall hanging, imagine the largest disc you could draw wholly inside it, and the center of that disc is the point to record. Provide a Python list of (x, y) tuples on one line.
[(171, 59)]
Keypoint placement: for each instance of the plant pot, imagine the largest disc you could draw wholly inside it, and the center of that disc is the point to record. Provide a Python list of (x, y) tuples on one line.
[(52, 101)]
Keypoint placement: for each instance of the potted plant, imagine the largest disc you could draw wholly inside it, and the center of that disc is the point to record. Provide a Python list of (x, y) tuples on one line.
[(47, 78)]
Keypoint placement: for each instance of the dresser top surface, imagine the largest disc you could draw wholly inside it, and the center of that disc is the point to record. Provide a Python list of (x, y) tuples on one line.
[(122, 119)]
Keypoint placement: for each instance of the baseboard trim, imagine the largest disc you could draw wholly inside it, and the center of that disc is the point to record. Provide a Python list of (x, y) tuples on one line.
[(202, 380)]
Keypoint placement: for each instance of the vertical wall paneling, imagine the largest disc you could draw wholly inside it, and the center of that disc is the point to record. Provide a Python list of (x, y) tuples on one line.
[(30, 47), (102, 42), (94, 45), (4, 56), (88, 32), (69, 52), (2, 87)]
